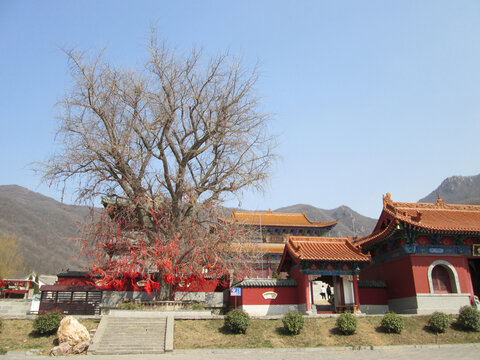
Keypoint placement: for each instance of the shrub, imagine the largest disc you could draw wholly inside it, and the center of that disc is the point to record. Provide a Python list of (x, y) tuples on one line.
[(129, 305), (1, 325), (392, 323), (198, 306), (347, 324), (439, 322), (469, 318), (48, 323), (237, 321), (293, 322)]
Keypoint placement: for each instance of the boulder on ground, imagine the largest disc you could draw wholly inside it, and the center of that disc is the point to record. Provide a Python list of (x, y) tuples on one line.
[(81, 347), (72, 332), (61, 350)]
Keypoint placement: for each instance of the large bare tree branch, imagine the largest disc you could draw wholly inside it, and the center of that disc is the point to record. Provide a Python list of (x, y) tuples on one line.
[(181, 128)]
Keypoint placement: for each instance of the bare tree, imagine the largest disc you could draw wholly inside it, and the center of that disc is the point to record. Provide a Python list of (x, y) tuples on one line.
[(187, 130)]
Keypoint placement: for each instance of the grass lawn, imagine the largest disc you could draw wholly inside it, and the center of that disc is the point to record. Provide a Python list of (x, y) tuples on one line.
[(18, 335), (204, 334)]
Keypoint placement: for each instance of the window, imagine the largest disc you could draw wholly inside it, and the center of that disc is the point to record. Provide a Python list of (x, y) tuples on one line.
[(441, 280)]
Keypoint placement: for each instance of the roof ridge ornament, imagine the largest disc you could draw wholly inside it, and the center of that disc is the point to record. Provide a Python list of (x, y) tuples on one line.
[(417, 217)]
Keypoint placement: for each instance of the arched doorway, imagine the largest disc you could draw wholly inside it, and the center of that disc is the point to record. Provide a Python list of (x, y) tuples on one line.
[(441, 280)]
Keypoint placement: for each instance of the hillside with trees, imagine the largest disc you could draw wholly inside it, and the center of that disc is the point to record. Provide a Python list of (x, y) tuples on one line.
[(45, 230)]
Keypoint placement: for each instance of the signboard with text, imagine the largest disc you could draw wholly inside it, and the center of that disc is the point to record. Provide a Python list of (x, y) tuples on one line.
[(235, 291)]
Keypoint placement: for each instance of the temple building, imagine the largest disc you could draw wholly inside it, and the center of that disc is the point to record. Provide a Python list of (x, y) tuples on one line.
[(427, 255), (270, 231), (420, 258)]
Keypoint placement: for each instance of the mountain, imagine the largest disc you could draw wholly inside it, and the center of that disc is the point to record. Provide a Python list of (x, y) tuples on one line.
[(457, 190), (45, 229), (350, 223)]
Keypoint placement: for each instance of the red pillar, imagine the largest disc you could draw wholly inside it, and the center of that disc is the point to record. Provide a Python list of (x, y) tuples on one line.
[(308, 302), (342, 295)]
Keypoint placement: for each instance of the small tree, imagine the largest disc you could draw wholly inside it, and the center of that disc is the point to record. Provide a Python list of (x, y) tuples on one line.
[(439, 322), (48, 323), (469, 318), (237, 321), (392, 323), (347, 323), (293, 322)]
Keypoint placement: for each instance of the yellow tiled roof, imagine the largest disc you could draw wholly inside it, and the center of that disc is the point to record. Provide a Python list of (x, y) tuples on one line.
[(269, 218)]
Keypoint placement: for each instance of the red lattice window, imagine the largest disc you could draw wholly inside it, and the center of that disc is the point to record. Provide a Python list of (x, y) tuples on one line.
[(441, 280)]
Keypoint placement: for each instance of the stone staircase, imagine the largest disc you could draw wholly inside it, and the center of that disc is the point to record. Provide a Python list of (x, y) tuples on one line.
[(133, 334)]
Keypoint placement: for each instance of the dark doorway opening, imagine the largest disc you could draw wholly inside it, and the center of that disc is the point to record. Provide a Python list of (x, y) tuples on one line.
[(474, 267)]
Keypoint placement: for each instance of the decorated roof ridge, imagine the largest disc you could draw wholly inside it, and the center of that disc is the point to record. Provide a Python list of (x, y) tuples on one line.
[(390, 205), (431, 217), (323, 248), (270, 218), (267, 283), (376, 236)]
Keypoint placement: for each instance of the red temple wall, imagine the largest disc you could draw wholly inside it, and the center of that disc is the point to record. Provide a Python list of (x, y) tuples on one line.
[(254, 296), (73, 281), (302, 288), (421, 263), (373, 296), (397, 274), (408, 275), (199, 286)]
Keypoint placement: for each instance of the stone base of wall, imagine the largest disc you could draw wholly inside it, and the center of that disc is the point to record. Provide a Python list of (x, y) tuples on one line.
[(426, 304), (263, 310), (14, 308), (113, 298), (373, 309), (211, 299)]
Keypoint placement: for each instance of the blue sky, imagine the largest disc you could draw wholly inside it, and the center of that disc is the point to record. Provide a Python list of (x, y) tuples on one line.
[(367, 97)]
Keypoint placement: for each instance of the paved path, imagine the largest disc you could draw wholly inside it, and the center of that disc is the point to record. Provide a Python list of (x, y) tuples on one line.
[(443, 352)]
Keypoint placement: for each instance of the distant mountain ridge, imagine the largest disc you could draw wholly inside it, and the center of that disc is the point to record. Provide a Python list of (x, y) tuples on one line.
[(457, 190), (46, 228), (350, 223)]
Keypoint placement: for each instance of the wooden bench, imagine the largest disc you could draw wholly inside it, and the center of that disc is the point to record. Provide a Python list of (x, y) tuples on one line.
[(347, 308)]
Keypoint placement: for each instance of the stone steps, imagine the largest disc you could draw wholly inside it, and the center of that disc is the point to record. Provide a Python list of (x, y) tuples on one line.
[(130, 335)]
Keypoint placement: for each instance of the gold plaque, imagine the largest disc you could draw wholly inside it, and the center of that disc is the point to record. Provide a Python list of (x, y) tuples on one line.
[(476, 249)]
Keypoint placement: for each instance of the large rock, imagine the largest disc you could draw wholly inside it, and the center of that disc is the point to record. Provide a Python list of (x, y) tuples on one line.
[(81, 347), (72, 332), (61, 350)]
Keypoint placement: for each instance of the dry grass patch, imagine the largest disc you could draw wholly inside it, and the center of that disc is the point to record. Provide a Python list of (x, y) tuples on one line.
[(18, 335), (204, 334)]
